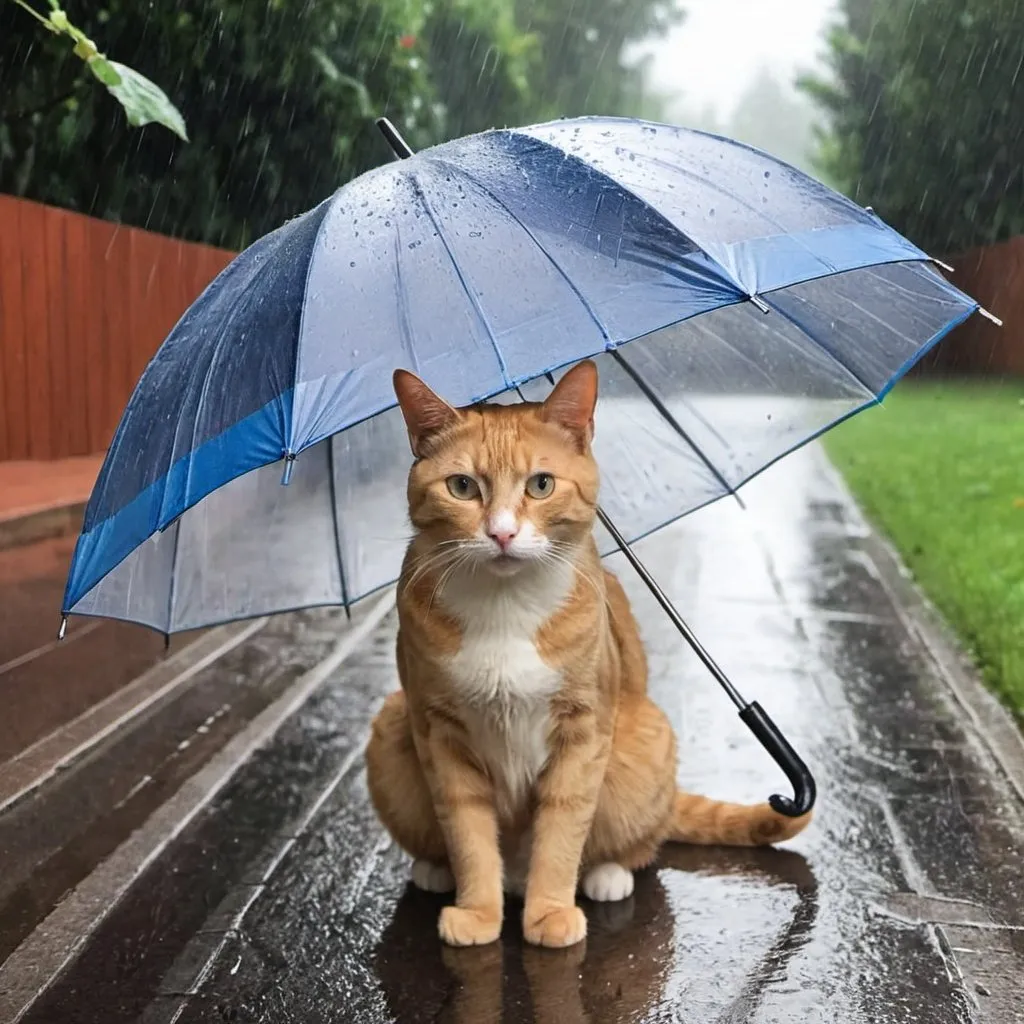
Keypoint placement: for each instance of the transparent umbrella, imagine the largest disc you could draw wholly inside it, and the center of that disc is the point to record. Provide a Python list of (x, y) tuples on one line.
[(737, 308)]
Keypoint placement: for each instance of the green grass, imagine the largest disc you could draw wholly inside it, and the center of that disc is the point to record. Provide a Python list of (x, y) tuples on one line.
[(940, 468)]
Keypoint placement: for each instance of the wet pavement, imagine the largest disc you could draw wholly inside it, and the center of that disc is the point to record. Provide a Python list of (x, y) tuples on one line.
[(281, 899), (44, 684)]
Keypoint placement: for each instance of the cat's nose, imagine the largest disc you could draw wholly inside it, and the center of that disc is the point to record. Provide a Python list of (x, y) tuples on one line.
[(502, 529), (503, 538)]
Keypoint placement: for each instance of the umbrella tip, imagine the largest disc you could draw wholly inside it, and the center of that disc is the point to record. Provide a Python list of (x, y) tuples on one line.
[(399, 146), (289, 463), (63, 630)]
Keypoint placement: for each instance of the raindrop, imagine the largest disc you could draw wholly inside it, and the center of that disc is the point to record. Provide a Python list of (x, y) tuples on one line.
[(353, 263), (767, 175), (475, 234), (711, 212)]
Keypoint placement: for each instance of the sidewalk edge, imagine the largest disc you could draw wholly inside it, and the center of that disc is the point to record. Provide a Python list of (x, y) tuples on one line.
[(991, 719)]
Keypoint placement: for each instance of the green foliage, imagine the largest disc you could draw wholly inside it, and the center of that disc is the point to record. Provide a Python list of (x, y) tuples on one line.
[(926, 102), (584, 65), (143, 102), (280, 96)]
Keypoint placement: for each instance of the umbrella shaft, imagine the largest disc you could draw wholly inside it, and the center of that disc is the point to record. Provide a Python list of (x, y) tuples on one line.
[(670, 610)]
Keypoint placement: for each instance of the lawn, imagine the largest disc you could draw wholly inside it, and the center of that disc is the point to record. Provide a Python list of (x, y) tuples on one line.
[(940, 468)]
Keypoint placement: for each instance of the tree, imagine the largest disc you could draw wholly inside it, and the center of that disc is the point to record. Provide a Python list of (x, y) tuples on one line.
[(927, 118), (280, 96), (585, 63), (770, 117)]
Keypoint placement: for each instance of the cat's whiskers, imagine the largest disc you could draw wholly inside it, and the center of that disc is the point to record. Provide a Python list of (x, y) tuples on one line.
[(553, 556), (433, 559), (461, 559)]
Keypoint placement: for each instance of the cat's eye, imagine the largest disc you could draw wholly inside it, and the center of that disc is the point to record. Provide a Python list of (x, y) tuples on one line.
[(463, 487), (540, 485)]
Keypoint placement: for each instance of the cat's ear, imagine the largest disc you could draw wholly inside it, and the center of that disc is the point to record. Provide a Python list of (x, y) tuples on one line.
[(425, 412), (571, 405)]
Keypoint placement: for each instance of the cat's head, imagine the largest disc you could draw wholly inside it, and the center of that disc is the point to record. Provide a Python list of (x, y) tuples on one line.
[(503, 486)]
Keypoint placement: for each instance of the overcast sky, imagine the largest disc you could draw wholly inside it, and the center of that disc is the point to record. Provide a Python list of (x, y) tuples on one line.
[(713, 55)]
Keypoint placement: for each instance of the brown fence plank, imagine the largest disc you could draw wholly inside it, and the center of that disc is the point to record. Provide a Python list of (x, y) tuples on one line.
[(99, 386), (59, 310), (118, 340), (82, 309), (36, 319), (12, 334)]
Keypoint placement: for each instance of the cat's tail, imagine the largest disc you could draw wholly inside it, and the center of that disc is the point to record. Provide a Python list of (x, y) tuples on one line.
[(698, 819)]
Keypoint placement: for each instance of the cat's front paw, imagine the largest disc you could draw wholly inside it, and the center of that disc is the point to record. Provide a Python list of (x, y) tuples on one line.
[(555, 927), (464, 926)]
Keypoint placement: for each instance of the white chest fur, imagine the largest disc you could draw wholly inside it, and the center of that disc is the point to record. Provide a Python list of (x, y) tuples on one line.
[(500, 675)]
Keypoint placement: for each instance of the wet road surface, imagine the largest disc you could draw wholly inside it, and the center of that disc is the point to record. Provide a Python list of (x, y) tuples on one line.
[(95, 659), (283, 901)]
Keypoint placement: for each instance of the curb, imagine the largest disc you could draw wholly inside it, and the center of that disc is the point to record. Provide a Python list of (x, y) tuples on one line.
[(41, 524), (991, 719)]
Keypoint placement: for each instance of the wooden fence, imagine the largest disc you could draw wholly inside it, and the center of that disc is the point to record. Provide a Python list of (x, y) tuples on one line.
[(994, 275), (84, 304)]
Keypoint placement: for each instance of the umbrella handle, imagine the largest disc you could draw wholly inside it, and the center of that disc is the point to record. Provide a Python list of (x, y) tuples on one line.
[(768, 734)]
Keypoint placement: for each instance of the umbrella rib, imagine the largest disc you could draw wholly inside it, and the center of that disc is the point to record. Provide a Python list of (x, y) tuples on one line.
[(824, 348), (722, 191), (421, 195), (334, 517), (591, 312), (667, 416), (172, 590)]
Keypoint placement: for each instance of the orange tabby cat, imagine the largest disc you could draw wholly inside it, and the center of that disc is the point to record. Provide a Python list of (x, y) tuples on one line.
[(522, 752)]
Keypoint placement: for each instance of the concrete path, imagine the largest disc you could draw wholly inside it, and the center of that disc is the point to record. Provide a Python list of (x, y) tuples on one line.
[(277, 898)]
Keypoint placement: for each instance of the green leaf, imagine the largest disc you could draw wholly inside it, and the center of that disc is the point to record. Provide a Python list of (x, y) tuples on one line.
[(104, 71), (143, 101)]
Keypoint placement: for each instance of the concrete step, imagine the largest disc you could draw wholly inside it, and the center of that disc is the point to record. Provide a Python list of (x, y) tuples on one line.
[(77, 798)]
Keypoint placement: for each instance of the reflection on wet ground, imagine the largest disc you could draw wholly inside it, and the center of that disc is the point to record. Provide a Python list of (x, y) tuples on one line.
[(283, 901), (43, 684)]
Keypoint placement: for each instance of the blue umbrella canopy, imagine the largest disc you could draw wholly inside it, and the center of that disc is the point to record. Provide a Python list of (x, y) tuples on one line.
[(737, 308)]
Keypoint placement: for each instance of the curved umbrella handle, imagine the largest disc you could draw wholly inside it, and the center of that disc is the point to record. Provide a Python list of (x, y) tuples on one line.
[(756, 719)]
